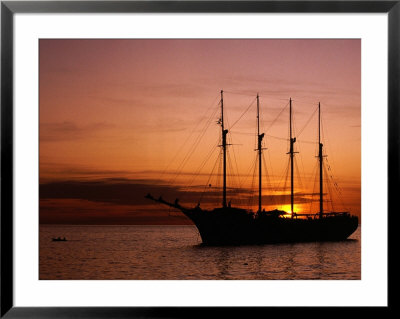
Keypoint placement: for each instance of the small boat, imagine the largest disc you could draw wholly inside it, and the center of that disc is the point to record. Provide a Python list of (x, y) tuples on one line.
[(59, 239)]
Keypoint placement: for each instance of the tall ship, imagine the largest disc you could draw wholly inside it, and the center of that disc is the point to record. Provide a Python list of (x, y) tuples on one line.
[(229, 225)]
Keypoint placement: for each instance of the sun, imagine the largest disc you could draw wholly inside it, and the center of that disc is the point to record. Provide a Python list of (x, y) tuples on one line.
[(287, 208)]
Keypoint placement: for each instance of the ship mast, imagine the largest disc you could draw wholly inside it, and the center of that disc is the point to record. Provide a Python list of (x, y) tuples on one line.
[(291, 152), (321, 195), (259, 149), (224, 133)]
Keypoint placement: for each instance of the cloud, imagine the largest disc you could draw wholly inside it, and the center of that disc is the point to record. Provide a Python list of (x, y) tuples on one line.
[(76, 211), (122, 200), (282, 87), (121, 191), (67, 130)]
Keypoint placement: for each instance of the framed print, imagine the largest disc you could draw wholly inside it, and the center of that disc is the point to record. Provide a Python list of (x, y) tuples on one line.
[(184, 158)]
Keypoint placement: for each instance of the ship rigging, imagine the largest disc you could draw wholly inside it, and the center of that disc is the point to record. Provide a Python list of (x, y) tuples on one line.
[(234, 225)]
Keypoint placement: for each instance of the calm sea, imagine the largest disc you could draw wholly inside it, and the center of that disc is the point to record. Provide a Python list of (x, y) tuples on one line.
[(175, 252)]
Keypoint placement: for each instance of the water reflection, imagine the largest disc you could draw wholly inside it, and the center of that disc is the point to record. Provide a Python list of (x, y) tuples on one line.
[(288, 262), (222, 261), (161, 252)]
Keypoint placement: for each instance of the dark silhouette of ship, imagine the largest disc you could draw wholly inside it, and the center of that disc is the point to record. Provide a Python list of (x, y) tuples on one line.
[(228, 225)]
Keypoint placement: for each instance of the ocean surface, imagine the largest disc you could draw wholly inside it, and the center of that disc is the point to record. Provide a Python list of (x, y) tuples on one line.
[(175, 252)]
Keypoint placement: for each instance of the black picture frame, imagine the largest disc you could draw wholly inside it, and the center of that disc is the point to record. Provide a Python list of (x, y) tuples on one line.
[(9, 8)]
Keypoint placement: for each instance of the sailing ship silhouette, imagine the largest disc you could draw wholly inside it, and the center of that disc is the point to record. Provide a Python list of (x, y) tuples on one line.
[(227, 225)]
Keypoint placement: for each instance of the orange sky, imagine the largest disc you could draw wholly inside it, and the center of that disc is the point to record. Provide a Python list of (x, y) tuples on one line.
[(118, 119)]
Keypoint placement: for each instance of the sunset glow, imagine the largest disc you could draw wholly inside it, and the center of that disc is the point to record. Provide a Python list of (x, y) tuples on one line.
[(287, 208), (123, 118)]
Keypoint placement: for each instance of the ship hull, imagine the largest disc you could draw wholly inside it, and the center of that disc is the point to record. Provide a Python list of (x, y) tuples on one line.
[(230, 227)]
